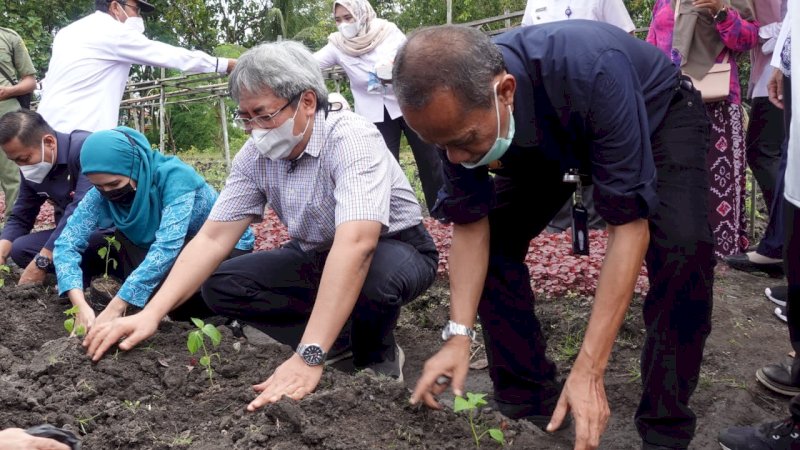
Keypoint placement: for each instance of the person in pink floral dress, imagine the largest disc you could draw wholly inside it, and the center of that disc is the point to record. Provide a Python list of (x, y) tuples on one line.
[(706, 32)]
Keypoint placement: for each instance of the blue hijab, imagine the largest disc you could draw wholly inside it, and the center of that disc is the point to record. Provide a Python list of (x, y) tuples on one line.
[(159, 179)]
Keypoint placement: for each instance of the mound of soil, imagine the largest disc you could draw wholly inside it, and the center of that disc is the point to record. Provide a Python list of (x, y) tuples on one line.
[(157, 397)]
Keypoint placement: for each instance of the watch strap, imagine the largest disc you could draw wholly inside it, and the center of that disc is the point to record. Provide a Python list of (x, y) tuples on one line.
[(457, 329)]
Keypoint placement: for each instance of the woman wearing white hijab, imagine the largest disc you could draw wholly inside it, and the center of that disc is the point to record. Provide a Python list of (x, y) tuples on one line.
[(365, 47)]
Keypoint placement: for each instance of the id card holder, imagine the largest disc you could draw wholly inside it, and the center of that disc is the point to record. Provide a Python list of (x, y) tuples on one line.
[(580, 216)]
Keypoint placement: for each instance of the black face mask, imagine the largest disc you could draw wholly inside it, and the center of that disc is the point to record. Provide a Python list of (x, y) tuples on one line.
[(122, 196)]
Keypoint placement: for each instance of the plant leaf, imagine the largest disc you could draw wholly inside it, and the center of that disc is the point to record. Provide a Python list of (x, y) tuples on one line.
[(102, 251), (198, 323), (116, 244), (114, 263), (205, 361), (460, 404), (81, 330), (194, 342), (476, 399), (212, 332), (497, 435), (72, 311), (69, 325)]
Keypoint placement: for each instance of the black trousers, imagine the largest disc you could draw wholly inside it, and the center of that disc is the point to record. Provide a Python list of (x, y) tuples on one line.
[(771, 244), (764, 140), (677, 309), (132, 255), (429, 165), (275, 290)]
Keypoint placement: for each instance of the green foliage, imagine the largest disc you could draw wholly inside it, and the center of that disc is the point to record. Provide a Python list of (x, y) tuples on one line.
[(69, 324), (6, 269), (105, 252), (471, 405), (197, 341)]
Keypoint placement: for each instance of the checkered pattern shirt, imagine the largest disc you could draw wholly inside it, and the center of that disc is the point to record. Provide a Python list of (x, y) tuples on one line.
[(345, 173)]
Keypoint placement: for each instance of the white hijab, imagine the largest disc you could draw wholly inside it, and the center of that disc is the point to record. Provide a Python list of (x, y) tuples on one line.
[(371, 31)]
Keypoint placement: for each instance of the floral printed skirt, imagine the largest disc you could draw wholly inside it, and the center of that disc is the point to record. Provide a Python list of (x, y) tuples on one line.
[(726, 167)]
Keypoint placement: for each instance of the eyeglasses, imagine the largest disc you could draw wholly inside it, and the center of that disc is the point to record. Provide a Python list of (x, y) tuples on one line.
[(264, 121), (137, 9)]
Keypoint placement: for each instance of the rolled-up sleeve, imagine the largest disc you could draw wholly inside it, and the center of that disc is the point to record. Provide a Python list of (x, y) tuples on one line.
[(467, 196), (623, 171)]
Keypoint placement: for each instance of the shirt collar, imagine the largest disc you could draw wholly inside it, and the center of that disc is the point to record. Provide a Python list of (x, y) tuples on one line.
[(63, 141), (314, 146)]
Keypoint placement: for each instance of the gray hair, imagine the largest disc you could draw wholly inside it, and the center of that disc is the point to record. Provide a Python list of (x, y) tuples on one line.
[(453, 57), (285, 68)]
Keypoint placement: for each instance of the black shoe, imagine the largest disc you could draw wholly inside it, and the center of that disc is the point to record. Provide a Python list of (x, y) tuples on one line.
[(780, 435), (778, 377), (529, 413), (780, 313), (777, 295), (742, 262), (649, 446)]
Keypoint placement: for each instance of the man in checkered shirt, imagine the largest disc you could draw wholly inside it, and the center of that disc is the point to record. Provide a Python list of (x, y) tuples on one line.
[(358, 248)]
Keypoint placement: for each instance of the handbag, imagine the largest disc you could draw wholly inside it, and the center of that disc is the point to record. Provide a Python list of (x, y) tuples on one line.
[(24, 99), (716, 83)]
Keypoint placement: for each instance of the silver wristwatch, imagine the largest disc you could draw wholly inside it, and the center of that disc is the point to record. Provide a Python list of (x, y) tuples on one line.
[(312, 354), (456, 329)]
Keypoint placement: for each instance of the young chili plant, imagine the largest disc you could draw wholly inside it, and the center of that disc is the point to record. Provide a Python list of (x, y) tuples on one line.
[(197, 341), (69, 324), (105, 252), (471, 405)]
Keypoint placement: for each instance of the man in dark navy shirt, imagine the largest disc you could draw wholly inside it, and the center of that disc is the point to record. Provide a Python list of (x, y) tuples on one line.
[(51, 171), (511, 118)]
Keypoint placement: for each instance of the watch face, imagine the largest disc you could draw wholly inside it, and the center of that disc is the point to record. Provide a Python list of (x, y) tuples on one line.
[(42, 262), (313, 355)]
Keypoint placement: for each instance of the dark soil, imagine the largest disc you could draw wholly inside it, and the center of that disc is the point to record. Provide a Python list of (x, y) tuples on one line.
[(156, 396)]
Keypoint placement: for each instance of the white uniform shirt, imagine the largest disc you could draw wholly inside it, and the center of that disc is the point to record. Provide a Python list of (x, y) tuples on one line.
[(792, 186), (609, 11), (785, 30), (90, 65), (358, 69)]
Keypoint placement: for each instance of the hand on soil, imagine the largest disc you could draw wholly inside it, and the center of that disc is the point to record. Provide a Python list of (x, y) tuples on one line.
[(585, 396), (452, 361), (18, 439), (85, 318), (131, 330), (32, 275), (294, 379)]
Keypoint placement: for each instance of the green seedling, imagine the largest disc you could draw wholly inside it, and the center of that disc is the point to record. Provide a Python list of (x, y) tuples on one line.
[(6, 269), (131, 405), (105, 253), (197, 341), (471, 405), (69, 324)]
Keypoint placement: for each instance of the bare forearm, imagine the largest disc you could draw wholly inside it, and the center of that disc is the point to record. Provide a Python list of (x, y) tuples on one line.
[(195, 264), (627, 245), (468, 263), (342, 280)]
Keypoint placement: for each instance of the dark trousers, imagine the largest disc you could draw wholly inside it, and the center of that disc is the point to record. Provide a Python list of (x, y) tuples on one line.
[(132, 255), (771, 243), (429, 165), (25, 248), (765, 136), (275, 290), (677, 309)]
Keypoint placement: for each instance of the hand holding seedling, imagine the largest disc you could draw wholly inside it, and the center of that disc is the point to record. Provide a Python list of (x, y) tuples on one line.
[(294, 379), (452, 361), (78, 320), (131, 330)]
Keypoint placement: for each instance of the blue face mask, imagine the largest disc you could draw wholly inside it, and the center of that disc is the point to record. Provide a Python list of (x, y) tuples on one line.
[(500, 144)]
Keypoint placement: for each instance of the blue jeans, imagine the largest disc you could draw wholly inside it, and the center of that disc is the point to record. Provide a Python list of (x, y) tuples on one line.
[(275, 290)]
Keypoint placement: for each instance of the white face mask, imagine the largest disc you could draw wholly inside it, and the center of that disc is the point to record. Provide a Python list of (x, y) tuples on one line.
[(349, 29), (35, 173), (136, 23), (278, 142)]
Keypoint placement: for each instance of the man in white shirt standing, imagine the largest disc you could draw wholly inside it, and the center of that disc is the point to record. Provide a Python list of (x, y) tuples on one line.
[(92, 59), (608, 11)]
